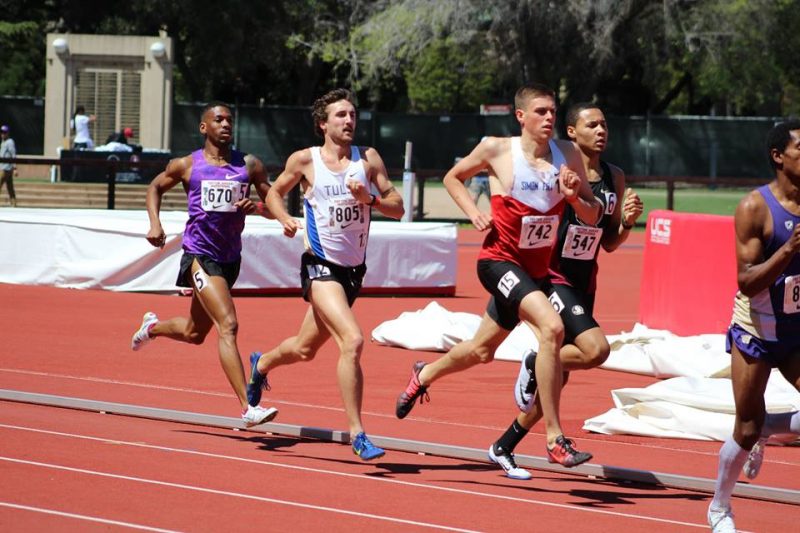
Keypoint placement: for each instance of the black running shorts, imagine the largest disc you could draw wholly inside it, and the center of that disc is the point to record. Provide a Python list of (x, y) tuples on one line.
[(229, 271), (315, 268), (575, 309), (508, 283)]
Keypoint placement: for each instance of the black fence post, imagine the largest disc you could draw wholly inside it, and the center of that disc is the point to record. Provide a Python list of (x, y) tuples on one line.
[(420, 199), (112, 183)]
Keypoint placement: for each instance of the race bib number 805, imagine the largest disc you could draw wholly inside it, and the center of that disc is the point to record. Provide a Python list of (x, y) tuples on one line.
[(346, 216)]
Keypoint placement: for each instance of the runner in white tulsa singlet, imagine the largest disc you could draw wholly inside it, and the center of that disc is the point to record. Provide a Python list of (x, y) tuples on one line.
[(338, 179), (337, 225)]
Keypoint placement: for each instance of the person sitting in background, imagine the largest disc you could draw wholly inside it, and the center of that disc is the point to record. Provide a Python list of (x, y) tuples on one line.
[(120, 137)]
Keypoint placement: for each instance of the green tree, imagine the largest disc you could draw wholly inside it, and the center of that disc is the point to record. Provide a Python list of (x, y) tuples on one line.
[(448, 76)]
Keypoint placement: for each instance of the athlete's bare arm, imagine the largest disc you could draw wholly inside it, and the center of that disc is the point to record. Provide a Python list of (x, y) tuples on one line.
[(258, 177), (575, 185), (751, 222), (479, 159), (390, 202), (628, 209), (178, 171), (298, 167)]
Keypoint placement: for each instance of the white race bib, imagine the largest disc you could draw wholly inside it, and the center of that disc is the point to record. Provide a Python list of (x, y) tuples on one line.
[(611, 201), (791, 295), (581, 242), (538, 231), (346, 215), (220, 195)]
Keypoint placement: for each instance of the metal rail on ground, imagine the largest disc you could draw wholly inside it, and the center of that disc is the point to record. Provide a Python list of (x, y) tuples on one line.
[(616, 473)]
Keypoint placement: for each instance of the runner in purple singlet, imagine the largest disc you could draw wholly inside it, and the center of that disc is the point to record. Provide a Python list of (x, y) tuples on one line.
[(765, 329), (217, 181)]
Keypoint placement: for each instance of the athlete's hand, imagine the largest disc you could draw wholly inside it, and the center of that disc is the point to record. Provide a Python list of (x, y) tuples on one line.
[(246, 205), (156, 236), (359, 191), (482, 221), (290, 226), (570, 183), (794, 240), (632, 207)]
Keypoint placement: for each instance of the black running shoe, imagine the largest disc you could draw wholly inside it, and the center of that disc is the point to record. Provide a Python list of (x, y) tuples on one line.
[(564, 453)]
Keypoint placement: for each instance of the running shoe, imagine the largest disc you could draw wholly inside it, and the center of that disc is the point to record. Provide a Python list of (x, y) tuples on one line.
[(754, 459), (414, 390), (142, 335), (258, 415), (364, 448), (565, 454), (258, 381), (506, 461), (525, 388), (721, 520)]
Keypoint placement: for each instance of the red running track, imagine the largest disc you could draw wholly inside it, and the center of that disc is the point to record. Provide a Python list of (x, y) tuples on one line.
[(81, 471)]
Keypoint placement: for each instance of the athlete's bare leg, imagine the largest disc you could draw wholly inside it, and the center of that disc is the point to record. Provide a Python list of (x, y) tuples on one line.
[(330, 306), (539, 314), (466, 354)]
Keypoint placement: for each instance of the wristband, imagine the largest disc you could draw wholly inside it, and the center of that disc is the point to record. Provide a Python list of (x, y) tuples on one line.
[(260, 208), (376, 200), (625, 226)]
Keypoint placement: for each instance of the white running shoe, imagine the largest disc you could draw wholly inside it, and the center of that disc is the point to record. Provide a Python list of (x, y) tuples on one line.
[(721, 520), (258, 415), (142, 335), (754, 459), (507, 462), (525, 387)]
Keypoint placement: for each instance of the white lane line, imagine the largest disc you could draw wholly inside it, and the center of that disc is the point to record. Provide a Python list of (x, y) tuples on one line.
[(515, 499), (229, 493), (84, 517)]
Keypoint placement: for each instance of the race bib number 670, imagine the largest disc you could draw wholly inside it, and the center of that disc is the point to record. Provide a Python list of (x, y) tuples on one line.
[(220, 195), (538, 231)]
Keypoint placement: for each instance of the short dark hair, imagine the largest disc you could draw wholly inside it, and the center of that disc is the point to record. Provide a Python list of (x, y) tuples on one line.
[(211, 105), (320, 105), (575, 110), (779, 137), (531, 90), (80, 110)]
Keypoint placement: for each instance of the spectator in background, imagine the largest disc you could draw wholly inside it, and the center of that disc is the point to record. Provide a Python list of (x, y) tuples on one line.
[(479, 185), (7, 170), (80, 125), (120, 137)]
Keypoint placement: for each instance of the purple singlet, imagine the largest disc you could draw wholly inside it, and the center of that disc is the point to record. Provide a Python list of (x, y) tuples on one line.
[(215, 225)]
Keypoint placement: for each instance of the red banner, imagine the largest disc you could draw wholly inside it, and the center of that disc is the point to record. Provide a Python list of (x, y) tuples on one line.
[(688, 273)]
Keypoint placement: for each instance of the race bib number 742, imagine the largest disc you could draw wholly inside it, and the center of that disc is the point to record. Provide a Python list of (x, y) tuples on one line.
[(538, 231)]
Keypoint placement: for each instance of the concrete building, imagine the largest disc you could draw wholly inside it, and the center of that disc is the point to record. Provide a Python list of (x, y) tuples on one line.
[(125, 81)]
